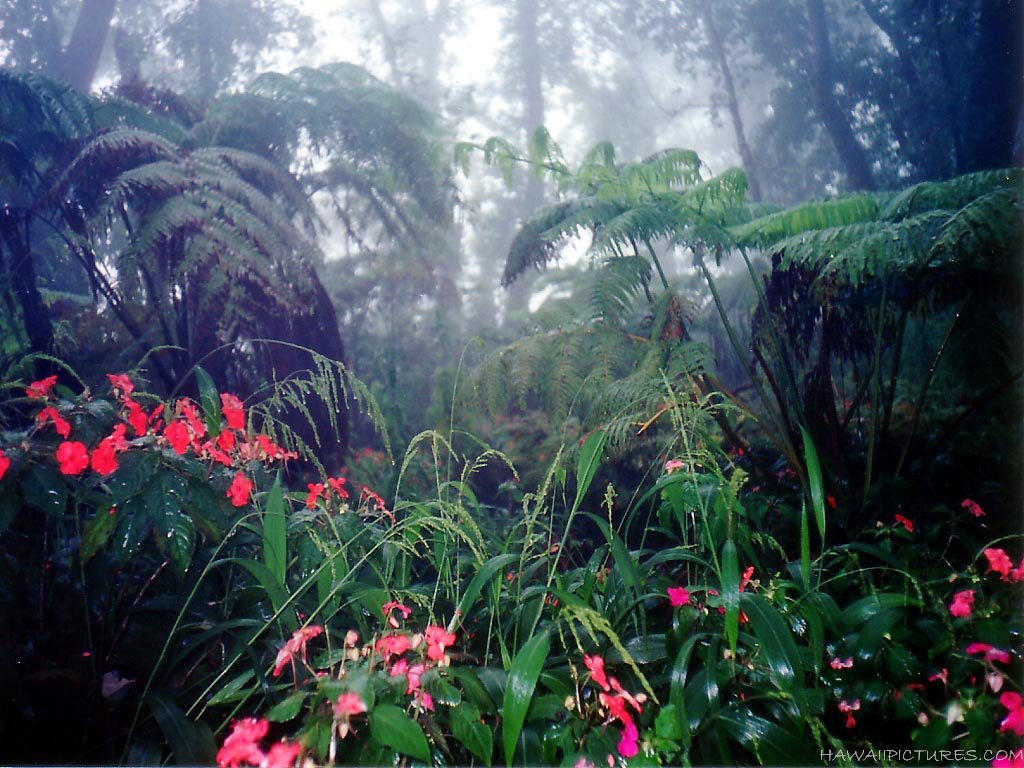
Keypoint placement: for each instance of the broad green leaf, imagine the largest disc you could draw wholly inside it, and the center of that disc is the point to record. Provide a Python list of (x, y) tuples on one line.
[(44, 489), (133, 473), (677, 689), (815, 481), (485, 573), (191, 743), (772, 744), (471, 732), (730, 578), (522, 679), (392, 727), (275, 533), (209, 400), (776, 647), (667, 725), (860, 611), (287, 709), (173, 530), (97, 532)]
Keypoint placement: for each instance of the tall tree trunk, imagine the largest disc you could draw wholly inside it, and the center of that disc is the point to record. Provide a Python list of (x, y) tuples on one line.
[(994, 94), (718, 50), (526, 30), (81, 56), (851, 153), (15, 226)]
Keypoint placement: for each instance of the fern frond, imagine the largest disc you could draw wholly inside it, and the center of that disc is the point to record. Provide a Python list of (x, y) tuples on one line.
[(766, 231)]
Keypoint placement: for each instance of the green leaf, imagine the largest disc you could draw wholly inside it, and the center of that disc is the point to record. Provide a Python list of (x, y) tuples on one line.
[(522, 679), (859, 612), (231, 690), (589, 461), (285, 710), (730, 578), (473, 734), (275, 539), (209, 399), (805, 547), (815, 481), (776, 647), (191, 743), (390, 726), (97, 532), (274, 589), (484, 574), (173, 529), (133, 473), (666, 724), (44, 489)]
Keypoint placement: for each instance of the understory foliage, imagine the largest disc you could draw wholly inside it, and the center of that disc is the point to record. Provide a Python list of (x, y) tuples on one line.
[(192, 606)]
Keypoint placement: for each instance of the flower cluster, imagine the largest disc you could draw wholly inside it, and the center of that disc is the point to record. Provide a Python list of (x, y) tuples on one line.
[(617, 702), (242, 747)]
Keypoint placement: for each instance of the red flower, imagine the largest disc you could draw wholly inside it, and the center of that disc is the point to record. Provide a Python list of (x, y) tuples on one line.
[(296, 646), (177, 435), (72, 457), (239, 491), (5, 463), (233, 411), (282, 754), (137, 417), (187, 409), (393, 645), (906, 523), (375, 498), (437, 640), (338, 484), (972, 507), (596, 666), (347, 705), (120, 381), (104, 459), (748, 574), (678, 596), (241, 747), (963, 604), (315, 489), (991, 653), (226, 440), (41, 389), (1014, 721), (59, 422)]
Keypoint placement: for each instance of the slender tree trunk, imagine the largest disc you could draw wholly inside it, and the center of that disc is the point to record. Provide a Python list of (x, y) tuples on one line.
[(718, 49), (526, 28), (81, 56), (851, 153), (15, 226)]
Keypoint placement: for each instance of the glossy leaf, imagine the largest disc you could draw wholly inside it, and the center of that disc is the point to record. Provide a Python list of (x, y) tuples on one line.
[(471, 732), (484, 574), (97, 532), (730, 577), (288, 708), (191, 743), (815, 482), (589, 460), (209, 400), (522, 679), (776, 647), (275, 542), (392, 727)]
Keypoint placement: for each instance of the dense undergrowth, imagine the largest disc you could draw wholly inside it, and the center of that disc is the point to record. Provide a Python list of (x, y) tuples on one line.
[(172, 591)]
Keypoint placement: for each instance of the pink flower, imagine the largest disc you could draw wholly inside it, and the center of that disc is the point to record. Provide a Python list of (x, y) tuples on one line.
[(1009, 759), (905, 522), (678, 596), (849, 708), (963, 604), (5, 463), (838, 663), (347, 705), (241, 747), (282, 754), (999, 562), (388, 608), (973, 507), (941, 676), (628, 745), (596, 666), (315, 489), (393, 645), (991, 653), (72, 458), (1014, 721), (296, 646), (673, 465), (437, 640), (41, 389), (238, 492)]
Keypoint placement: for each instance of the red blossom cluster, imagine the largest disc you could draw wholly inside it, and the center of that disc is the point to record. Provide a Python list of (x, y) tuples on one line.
[(242, 747), (617, 702), (1000, 562), (318, 490), (296, 646)]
